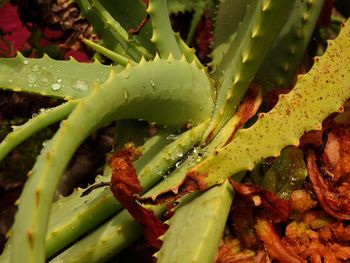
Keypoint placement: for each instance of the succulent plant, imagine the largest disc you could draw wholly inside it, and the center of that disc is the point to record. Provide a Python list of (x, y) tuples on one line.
[(155, 76)]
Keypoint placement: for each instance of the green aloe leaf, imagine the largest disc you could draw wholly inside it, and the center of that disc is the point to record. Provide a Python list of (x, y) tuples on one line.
[(196, 229), (317, 94), (282, 61), (49, 77), (229, 15)]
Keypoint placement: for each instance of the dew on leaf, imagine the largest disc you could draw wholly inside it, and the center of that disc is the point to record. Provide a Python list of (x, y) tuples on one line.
[(153, 85), (80, 86), (56, 86), (45, 78), (26, 62), (31, 77), (172, 137), (36, 68), (126, 94)]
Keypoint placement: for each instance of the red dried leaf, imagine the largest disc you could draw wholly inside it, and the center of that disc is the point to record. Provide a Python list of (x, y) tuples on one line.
[(313, 138), (273, 244), (192, 182), (243, 220), (334, 198), (336, 155), (125, 187), (279, 209)]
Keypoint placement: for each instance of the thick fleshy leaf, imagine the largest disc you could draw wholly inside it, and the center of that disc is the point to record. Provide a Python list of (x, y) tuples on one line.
[(49, 77), (194, 224)]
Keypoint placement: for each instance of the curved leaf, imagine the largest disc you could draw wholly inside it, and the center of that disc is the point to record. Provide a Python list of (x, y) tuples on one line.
[(133, 98), (49, 77)]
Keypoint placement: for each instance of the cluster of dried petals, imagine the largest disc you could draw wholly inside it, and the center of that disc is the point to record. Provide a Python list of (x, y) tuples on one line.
[(230, 252), (330, 243)]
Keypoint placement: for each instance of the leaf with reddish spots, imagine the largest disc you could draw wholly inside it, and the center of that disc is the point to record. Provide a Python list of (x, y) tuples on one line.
[(195, 181), (125, 187), (278, 208), (273, 244)]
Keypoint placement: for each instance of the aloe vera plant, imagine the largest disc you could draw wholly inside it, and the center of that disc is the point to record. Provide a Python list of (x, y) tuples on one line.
[(155, 76)]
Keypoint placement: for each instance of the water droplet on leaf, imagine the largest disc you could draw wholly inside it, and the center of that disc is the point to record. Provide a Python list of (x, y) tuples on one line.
[(126, 94), (26, 62), (178, 164), (153, 85), (56, 86), (80, 86), (172, 137), (31, 78), (45, 78), (36, 68)]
